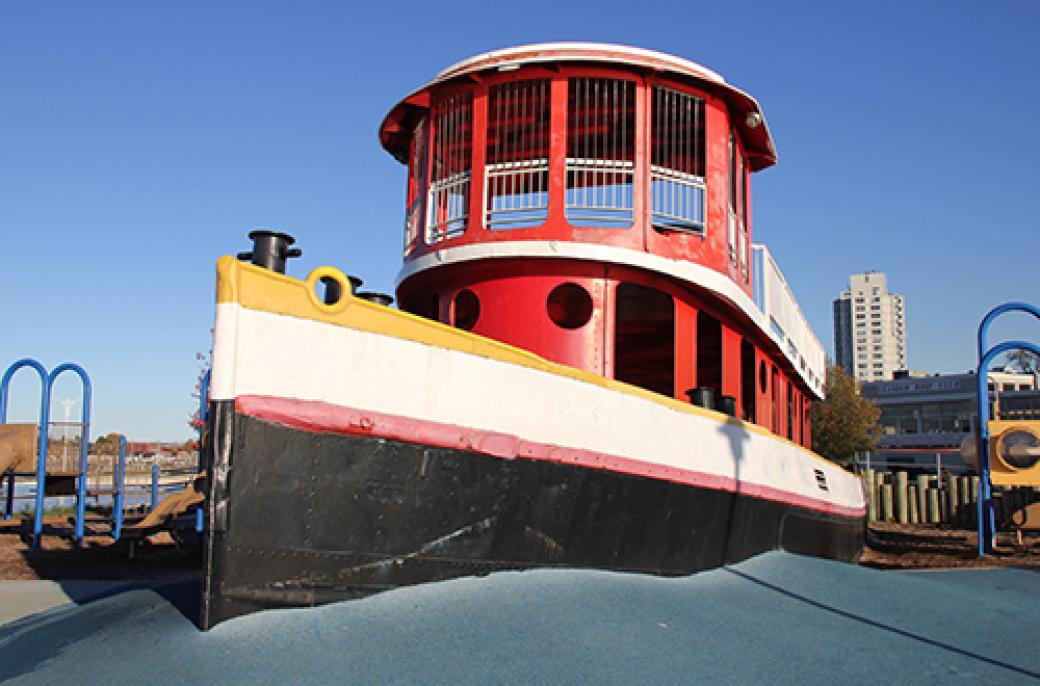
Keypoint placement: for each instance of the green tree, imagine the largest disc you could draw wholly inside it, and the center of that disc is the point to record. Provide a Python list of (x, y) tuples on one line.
[(845, 422)]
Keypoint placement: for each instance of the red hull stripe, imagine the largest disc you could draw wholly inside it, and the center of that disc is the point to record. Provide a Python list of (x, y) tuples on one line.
[(320, 417)]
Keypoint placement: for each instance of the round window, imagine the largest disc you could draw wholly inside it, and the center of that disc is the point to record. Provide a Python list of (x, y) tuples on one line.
[(569, 306), (467, 309)]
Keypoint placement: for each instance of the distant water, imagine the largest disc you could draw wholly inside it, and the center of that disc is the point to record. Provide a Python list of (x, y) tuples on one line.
[(26, 492)]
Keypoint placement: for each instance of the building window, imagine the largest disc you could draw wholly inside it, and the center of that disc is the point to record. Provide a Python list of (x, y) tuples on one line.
[(448, 210), (600, 167), (516, 175), (677, 161)]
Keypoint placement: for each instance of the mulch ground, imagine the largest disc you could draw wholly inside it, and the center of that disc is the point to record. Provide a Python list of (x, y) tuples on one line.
[(98, 559), (889, 546), (896, 546)]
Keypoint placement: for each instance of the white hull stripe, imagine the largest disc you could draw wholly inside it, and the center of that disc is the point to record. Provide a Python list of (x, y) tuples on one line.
[(259, 353)]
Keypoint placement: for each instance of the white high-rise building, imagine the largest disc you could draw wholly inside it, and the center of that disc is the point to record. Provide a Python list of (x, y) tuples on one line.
[(870, 328)]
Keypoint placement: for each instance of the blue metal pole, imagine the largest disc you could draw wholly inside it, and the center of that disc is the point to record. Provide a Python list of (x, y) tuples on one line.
[(200, 521), (41, 447), (119, 485), (986, 524), (203, 408), (84, 442), (155, 486), (9, 499)]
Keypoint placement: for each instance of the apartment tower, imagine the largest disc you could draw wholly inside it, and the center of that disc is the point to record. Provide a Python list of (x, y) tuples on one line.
[(870, 328)]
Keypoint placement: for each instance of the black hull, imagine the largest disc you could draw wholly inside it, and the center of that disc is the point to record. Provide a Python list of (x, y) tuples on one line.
[(298, 519)]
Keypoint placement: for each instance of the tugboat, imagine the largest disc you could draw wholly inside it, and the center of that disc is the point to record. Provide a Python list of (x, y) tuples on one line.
[(592, 365)]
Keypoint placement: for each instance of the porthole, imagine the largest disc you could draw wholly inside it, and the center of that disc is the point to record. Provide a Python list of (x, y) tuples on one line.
[(569, 306), (467, 309), (763, 377)]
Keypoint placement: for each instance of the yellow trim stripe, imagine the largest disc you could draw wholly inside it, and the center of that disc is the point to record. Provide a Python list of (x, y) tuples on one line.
[(268, 291)]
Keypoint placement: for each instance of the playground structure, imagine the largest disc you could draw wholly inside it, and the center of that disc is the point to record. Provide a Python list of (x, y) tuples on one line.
[(1013, 458), (24, 455)]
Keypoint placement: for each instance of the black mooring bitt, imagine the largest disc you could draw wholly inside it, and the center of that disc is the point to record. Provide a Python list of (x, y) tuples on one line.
[(270, 249)]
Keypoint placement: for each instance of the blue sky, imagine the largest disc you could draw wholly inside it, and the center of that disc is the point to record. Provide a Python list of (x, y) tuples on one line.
[(139, 141)]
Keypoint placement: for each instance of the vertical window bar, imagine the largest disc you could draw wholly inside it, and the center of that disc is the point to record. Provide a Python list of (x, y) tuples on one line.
[(677, 185), (449, 187), (516, 173), (600, 165), (416, 188)]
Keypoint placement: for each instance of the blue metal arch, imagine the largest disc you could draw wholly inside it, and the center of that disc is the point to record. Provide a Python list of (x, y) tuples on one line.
[(996, 312), (5, 383), (987, 527), (84, 443), (41, 446)]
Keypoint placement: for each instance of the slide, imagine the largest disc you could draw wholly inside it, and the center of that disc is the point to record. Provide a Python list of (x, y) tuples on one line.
[(18, 447), (168, 509)]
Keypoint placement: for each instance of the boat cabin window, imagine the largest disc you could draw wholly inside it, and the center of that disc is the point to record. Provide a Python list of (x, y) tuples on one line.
[(516, 176), (644, 339), (448, 204), (747, 380), (709, 353), (426, 305), (600, 168), (677, 161), (790, 411)]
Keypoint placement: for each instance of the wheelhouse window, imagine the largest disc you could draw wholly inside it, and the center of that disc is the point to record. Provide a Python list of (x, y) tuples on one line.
[(677, 161), (600, 168), (516, 175), (416, 187), (744, 243), (644, 339), (448, 204), (737, 215)]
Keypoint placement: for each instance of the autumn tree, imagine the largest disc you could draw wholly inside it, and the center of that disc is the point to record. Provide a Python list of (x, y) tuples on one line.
[(844, 423), (106, 445)]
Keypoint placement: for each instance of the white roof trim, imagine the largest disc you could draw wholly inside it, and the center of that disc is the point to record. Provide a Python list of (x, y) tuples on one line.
[(557, 52)]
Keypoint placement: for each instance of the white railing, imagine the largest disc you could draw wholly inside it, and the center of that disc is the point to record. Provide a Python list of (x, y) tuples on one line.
[(731, 231), (448, 208), (600, 192), (676, 200), (517, 194), (742, 249)]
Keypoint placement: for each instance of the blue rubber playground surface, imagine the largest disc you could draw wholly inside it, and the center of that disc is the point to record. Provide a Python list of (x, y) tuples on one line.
[(774, 619)]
